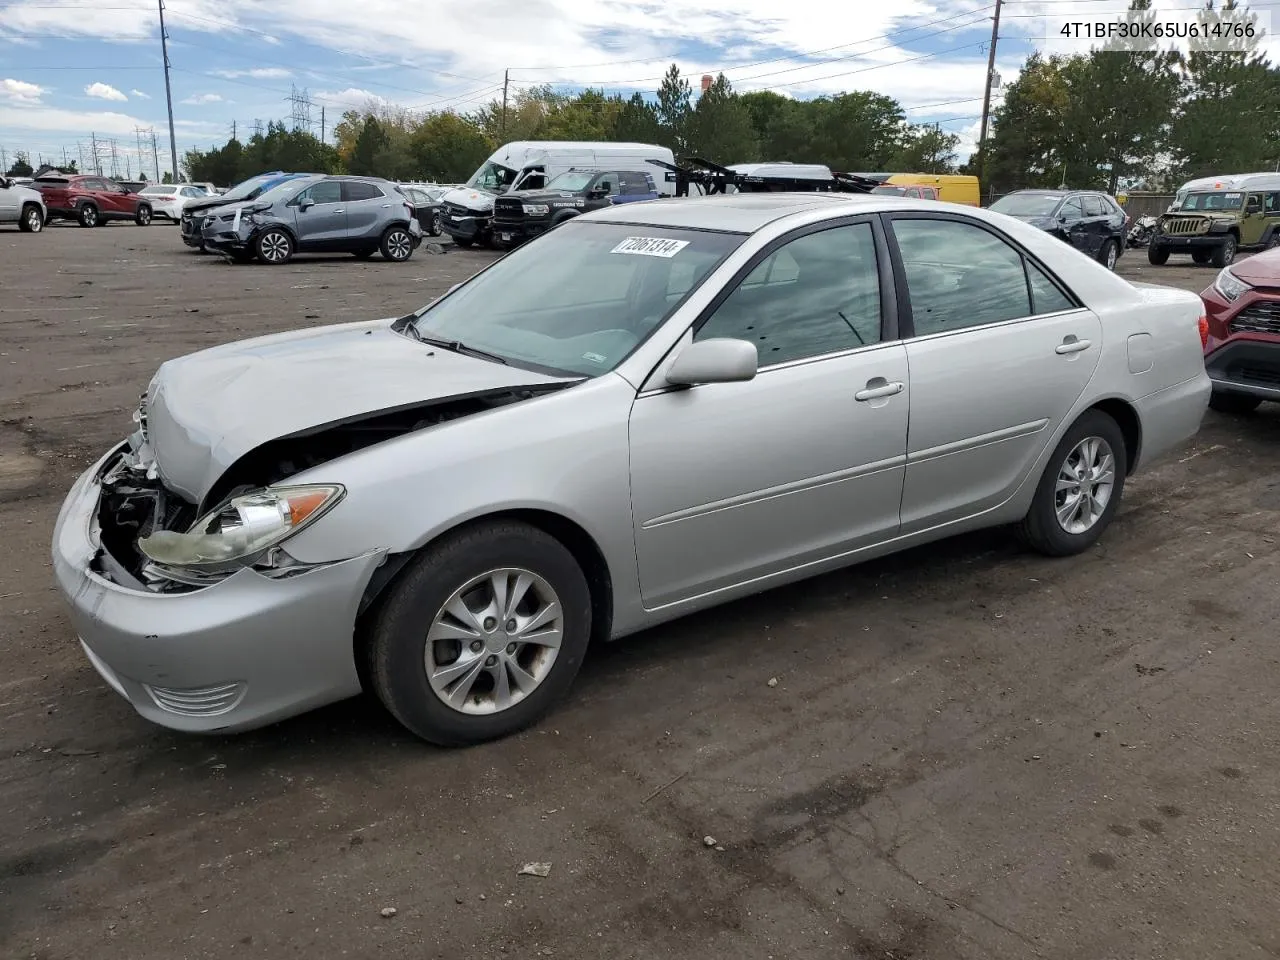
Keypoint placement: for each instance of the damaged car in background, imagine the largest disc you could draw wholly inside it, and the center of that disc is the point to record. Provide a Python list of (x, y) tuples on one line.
[(625, 420)]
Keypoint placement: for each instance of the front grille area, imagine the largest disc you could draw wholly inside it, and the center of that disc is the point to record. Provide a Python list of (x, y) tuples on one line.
[(1261, 316), (508, 209), (456, 211), (198, 701), (1185, 226)]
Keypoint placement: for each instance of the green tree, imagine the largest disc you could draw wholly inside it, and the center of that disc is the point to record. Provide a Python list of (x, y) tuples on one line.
[(371, 142), (449, 148), (720, 127), (1029, 145), (783, 126), (637, 122), (1230, 118), (926, 148), (588, 116), (856, 131), (674, 110), (21, 166), (526, 111)]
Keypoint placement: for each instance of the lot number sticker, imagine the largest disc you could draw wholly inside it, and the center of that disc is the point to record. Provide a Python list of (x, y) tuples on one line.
[(651, 247)]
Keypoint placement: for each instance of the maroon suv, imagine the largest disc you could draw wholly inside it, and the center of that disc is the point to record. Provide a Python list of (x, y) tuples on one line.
[(92, 201), (1242, 333)]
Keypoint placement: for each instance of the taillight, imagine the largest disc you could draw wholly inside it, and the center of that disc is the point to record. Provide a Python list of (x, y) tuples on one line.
[(1204, 331)]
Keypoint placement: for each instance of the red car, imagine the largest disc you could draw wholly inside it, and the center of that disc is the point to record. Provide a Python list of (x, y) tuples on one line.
[(1241, 333), (90, 200)]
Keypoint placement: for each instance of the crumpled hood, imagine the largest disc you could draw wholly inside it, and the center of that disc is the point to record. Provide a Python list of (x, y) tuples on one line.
[(469, 198), (207, 410)]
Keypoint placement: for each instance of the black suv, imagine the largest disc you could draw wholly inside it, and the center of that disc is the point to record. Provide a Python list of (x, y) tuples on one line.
[(1092, 222), (523, 214)]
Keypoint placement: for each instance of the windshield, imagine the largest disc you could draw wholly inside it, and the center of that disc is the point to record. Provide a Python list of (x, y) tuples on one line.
[(283, 191), (1211, 201), (574, 180), (580, 298), (891, 191), (1027, 204), (492, 176), (246, 190)]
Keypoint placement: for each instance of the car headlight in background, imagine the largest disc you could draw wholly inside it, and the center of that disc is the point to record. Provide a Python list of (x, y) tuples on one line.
[(242, 529), (1230, 286), (536, 209)]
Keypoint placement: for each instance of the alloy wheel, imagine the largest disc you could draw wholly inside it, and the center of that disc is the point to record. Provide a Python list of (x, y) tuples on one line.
[(275, 247), (1113, 254), (35, 222), (399, 245), (1085, 483), (494, 641)]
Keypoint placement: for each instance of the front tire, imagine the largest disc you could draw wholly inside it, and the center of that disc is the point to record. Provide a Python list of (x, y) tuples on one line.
[(1234, 403), (143, 215), (436, 227), (396, 244), (88, 215), (274, 247), (1225, 253), (482, 634), (32, 220), (1080, 489), (1157, 256), (1201, 256)]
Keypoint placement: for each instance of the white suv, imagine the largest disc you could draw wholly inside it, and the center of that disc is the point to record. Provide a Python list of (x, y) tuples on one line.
[(22, 205)]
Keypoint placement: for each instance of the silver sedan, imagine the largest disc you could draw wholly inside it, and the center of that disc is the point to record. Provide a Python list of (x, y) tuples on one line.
[(651, 409)]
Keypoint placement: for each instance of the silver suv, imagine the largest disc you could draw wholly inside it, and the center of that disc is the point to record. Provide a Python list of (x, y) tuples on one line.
[(22, 205), (317, 214)]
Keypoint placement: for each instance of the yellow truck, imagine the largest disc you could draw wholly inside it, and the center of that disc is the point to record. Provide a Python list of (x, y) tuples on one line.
[(953, 188)]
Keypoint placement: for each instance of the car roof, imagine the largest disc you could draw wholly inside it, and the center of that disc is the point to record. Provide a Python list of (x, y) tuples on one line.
[(731, 213)]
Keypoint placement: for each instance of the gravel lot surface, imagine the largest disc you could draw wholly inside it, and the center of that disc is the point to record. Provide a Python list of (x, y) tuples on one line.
[(969, 752)]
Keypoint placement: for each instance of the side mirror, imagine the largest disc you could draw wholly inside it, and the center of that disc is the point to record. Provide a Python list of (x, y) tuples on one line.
[(5, 183), (720, 360), (306, 204)]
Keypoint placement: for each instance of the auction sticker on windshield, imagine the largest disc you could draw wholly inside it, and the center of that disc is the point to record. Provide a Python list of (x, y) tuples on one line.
[(651, 246)]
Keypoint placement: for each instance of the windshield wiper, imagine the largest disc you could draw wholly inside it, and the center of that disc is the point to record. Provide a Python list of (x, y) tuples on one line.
[(455, 346)]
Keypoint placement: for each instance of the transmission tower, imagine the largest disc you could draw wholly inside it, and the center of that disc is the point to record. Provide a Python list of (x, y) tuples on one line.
[(115, 162), (257, 127), (300, 114)]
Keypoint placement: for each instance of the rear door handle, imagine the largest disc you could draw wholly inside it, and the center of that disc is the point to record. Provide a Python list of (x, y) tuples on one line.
[(339, 211), (882, 390), (1073, 345)]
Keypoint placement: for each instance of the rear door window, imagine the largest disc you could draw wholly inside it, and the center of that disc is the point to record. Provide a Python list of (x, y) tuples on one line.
[(1071, 210), (1093, 206), (356, 190)]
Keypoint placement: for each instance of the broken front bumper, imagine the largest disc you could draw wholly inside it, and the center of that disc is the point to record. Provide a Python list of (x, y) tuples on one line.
[(241, 653)]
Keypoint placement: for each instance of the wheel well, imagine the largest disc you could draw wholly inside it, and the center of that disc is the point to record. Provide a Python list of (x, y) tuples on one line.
[(573, 537), (1126, 419)]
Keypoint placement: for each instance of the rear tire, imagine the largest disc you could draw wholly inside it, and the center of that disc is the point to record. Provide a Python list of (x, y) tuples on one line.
[(142, 217), (32, 220), (401, 652), (1109, 254), (396, 244), (436, 227), (1225, 253), (87, 215), (1157, 256), (1063, 488), (1233, 403)]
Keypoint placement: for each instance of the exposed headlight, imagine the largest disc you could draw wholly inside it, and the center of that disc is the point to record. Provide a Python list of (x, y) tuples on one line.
[(1229, 285), (536, 209), (242, 529)]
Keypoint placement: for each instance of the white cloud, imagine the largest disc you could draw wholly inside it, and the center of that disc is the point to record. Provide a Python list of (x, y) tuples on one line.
[(259, 73), (139, 94), (352, 98), (201, 99), (104, 91), (19, 91), (76, 122)]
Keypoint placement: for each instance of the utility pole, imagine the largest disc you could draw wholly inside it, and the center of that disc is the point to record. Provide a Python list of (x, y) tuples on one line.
[(155, 154), (168, 96), (233, 129), (322, 123), (986, 94), (65, 161), (4, 162), (115, 162), (506, 80)]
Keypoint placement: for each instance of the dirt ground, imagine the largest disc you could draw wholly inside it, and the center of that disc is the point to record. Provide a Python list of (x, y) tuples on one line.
[(970, 752)]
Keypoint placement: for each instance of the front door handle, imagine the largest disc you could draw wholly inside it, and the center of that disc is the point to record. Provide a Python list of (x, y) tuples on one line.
[(339, 211), (1071, 344), (881, 389)]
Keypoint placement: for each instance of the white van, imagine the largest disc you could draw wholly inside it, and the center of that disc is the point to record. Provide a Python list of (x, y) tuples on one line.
[(1231, 181), (528, 165)]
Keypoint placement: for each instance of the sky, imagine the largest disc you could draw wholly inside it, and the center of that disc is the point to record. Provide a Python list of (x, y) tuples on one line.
[(76, 71)]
